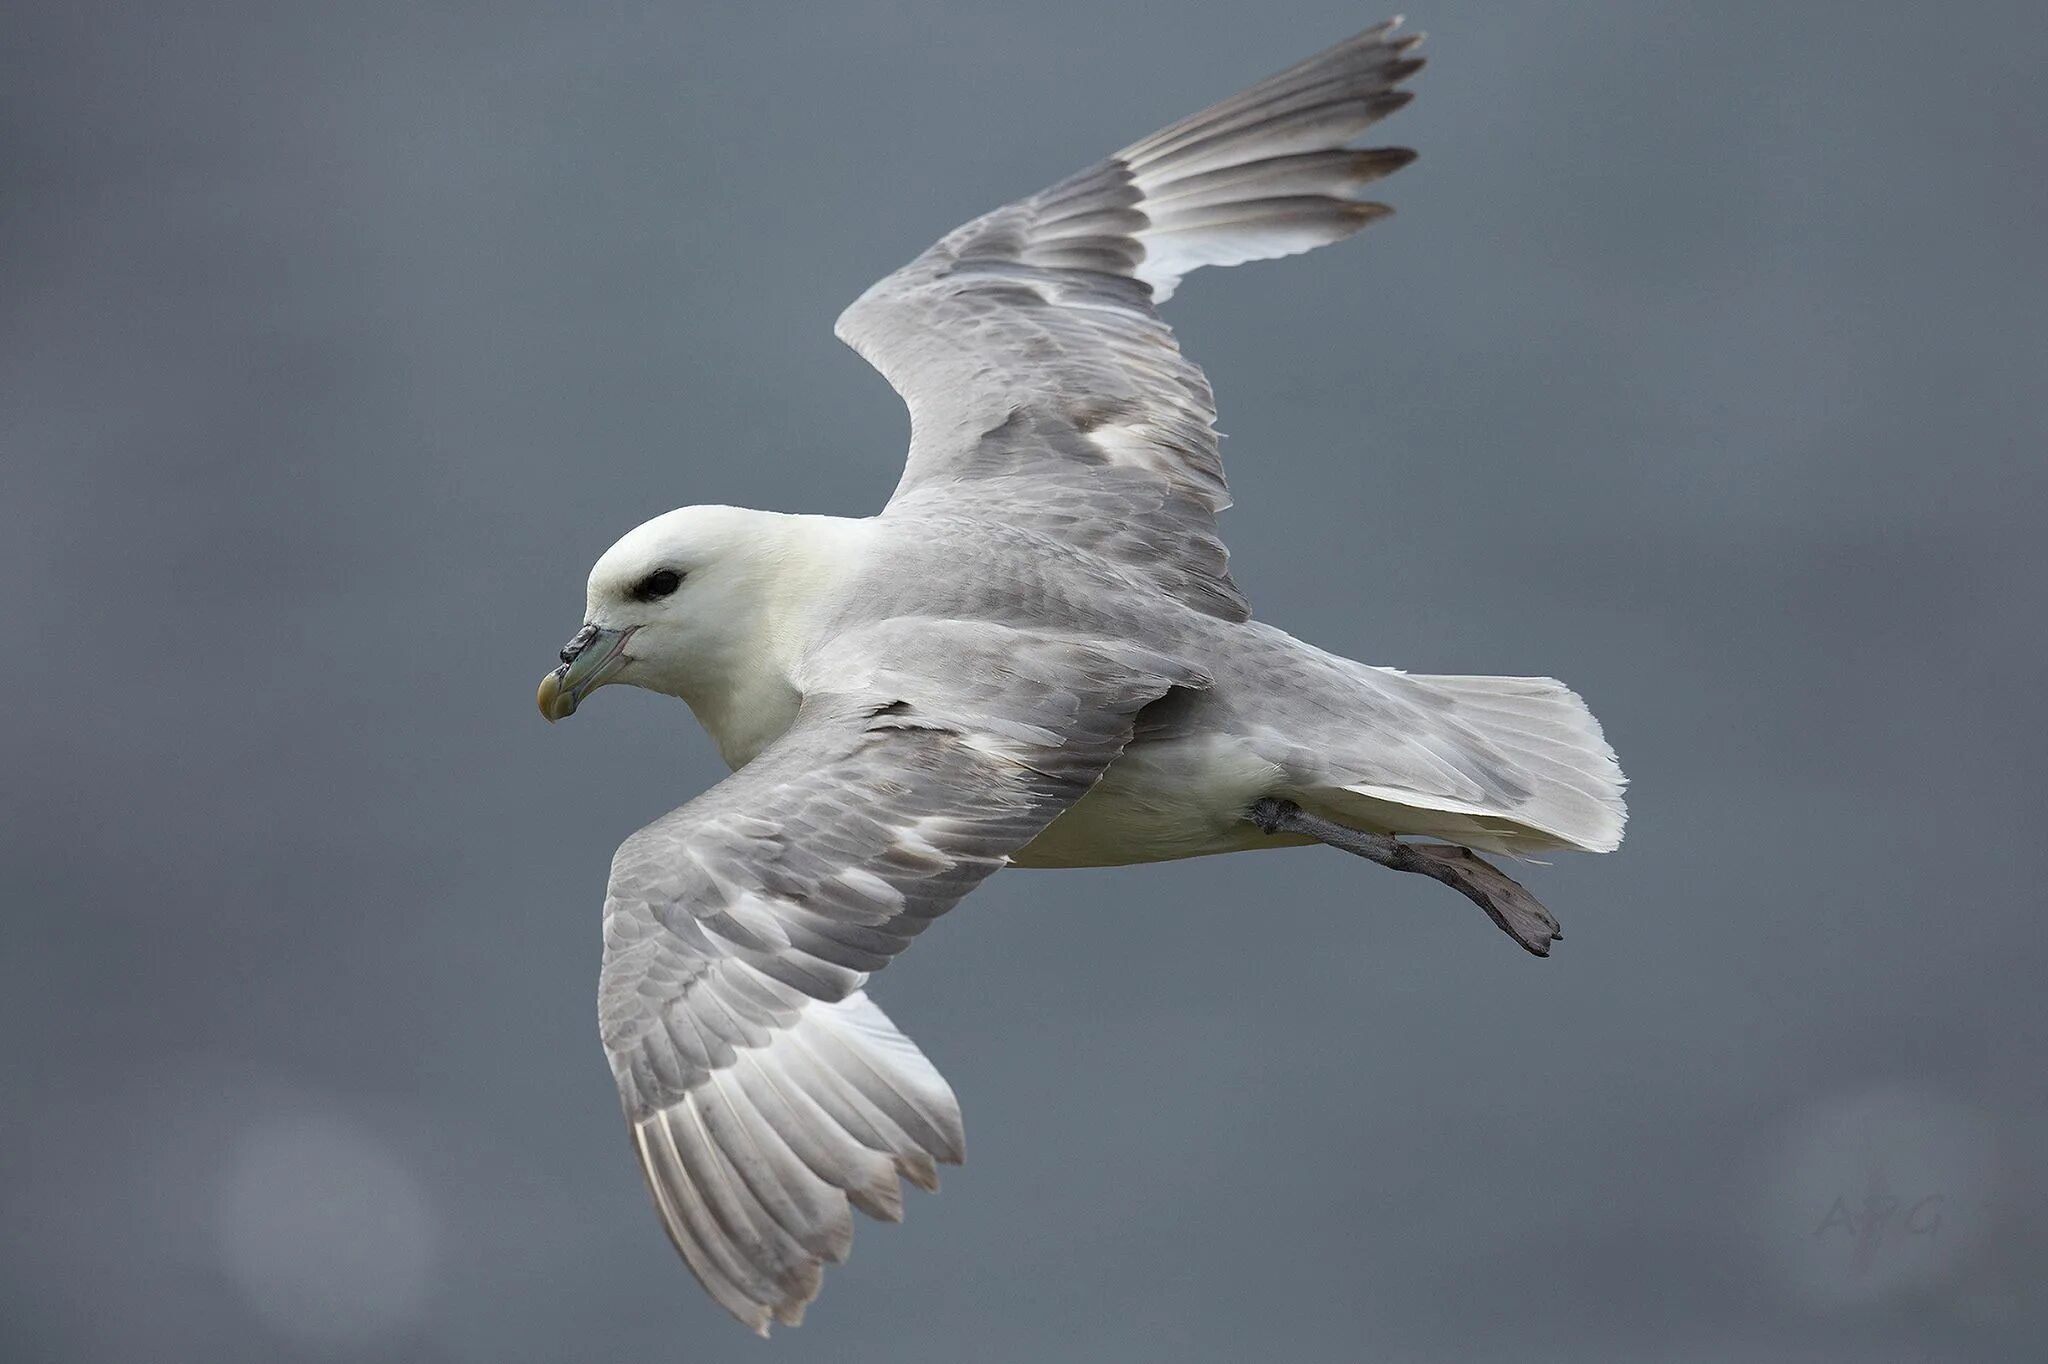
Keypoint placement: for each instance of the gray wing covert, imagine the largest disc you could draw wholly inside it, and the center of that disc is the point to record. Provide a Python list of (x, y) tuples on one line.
[(766, 1095), (1041, 382)]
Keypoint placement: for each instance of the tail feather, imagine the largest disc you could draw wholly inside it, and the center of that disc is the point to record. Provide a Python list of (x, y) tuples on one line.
[(1546, 777)]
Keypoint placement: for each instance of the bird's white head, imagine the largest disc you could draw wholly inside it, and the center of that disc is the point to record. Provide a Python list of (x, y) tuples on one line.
[(667, 604), (695, 603)]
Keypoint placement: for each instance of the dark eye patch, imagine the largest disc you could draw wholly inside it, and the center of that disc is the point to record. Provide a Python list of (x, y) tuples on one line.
[(657, 584)]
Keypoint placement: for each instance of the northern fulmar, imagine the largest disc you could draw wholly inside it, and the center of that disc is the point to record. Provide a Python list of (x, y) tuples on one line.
[(1033, 656)]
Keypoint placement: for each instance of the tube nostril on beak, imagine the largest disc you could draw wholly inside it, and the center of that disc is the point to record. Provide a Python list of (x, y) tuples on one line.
[(578, 644)]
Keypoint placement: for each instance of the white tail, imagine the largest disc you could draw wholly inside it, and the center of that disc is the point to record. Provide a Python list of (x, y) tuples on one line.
[(1549, 778)]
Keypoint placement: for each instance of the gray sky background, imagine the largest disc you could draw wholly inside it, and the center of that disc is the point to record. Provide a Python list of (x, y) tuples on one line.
[(1702, 367)]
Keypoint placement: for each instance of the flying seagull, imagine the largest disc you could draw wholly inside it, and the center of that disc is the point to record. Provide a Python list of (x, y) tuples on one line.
[(1033, 656)]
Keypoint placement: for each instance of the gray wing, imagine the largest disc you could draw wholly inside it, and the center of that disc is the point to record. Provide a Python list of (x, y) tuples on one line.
[(1043, 387), (765, 1093)]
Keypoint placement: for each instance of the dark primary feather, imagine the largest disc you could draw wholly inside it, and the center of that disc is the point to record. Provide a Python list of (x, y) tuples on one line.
[(1044, 389)]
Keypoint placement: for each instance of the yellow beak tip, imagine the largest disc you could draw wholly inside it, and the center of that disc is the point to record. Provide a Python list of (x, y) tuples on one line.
[(553, 701)]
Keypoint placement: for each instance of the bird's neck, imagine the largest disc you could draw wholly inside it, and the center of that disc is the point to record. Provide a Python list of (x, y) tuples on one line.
[(742, 685)]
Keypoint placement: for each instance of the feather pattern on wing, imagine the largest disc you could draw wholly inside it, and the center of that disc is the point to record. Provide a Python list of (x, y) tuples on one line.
[(766, 1094), (1043, 387)]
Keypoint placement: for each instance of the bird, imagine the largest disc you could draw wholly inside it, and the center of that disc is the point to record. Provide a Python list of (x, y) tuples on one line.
[(1033, 656)]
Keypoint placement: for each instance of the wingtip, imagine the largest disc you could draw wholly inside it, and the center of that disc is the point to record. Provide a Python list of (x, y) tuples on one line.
[(1385, 28)]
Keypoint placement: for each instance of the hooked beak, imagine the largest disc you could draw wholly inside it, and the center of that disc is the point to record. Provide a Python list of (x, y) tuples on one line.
[(588, 662)]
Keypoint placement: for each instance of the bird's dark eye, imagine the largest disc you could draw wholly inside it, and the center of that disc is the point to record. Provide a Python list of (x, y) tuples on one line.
[(657, 584)]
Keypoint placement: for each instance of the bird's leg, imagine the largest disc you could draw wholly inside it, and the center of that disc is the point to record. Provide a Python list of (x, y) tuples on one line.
[(1504, 900)]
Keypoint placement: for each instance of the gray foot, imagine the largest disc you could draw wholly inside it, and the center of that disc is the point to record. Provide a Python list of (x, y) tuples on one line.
[(1503, 899)]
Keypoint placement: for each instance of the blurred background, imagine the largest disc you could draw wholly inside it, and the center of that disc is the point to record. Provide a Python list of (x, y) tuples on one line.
[(1702, 367)]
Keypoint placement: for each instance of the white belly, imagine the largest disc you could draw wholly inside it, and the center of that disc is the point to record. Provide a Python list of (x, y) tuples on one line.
[(1163, 800)]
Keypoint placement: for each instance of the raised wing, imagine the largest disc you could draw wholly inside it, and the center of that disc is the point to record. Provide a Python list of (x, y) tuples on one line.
[(1043, 387), (766, 1095)]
